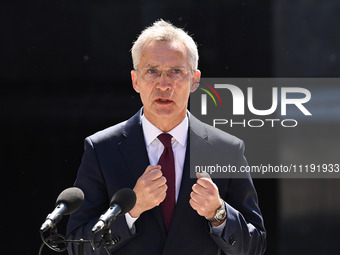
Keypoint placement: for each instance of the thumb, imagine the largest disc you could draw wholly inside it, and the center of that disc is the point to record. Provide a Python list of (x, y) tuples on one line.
[(203, 175), (150, 168)]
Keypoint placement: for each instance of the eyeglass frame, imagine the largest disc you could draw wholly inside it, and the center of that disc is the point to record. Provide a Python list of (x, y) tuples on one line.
[(160, 72)]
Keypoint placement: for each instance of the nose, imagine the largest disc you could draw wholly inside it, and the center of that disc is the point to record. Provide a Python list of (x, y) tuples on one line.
[(164, 82)]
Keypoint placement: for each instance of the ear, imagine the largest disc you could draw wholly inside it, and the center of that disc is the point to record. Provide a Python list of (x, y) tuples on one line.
[(134, 80), (195, 81)]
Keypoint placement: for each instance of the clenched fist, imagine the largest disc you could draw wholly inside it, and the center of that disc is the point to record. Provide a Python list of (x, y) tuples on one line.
[(205, 198), (150, 190)]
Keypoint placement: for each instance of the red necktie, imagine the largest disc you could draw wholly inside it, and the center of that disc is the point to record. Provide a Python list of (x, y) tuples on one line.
[(167, 162)]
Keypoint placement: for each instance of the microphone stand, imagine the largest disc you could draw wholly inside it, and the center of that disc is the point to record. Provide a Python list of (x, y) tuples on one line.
[(106, 240), (81, 245), (55, 239)]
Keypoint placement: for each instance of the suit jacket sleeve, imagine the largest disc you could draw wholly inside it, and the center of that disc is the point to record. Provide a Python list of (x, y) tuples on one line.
[(244, 232)]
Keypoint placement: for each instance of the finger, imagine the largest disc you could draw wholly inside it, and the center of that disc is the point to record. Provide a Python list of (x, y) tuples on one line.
[(198, 189), (206, 183), (163, 194), (195, 197), (159, 182), (162, 189), (193, 204), (155, 174), (150, 168), (202, 175)]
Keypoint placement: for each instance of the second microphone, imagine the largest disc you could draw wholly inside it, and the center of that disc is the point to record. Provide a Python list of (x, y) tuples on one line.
[(122, 202)]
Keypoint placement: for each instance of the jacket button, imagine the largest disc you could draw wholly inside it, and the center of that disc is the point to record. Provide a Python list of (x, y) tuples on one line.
[(232, 241)]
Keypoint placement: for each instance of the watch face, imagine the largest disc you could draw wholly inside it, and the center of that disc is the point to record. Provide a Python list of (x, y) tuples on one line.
[(221, 214)]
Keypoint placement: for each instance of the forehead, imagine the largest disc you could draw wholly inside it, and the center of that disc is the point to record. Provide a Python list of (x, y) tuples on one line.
[(159, 53)]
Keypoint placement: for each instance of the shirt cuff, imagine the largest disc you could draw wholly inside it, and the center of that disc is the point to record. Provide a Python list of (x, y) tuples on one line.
[(131, 223), (217, 230)]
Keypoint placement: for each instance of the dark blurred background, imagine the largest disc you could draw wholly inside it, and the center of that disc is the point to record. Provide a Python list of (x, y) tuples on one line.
[(65, 74)]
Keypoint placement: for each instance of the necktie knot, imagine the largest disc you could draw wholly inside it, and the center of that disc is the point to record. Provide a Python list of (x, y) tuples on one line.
[(165, 140)]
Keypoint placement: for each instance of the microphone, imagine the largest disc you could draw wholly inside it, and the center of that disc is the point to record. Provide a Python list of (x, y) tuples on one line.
[(122, 202), (67, 202)]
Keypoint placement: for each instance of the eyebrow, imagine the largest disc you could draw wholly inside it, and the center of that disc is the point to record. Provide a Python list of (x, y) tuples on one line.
[(171, 67)]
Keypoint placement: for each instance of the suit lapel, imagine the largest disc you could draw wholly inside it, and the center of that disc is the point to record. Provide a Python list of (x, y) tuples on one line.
[(133, 147), (134, 152)]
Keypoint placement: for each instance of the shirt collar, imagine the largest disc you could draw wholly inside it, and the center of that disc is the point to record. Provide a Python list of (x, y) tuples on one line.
[(180, 132)]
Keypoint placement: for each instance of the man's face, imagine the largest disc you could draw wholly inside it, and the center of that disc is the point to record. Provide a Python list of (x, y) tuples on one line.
[(164, 97)]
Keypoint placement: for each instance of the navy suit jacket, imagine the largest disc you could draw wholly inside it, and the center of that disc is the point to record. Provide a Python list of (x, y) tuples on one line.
[(116, 157)]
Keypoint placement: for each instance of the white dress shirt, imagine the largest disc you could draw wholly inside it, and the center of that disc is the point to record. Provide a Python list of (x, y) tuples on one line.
[(178, 141)]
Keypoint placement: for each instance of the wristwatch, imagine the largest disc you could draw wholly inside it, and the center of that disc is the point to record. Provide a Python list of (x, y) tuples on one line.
[(220, 215)]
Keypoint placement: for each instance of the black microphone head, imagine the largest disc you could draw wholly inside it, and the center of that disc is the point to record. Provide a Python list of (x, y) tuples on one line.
[(73, 198), (125, 198)]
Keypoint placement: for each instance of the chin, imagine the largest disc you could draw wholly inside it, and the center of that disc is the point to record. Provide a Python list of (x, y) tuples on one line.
[(165, 112)]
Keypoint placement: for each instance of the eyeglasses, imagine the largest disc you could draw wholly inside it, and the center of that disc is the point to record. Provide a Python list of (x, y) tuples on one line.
[(175, 74)]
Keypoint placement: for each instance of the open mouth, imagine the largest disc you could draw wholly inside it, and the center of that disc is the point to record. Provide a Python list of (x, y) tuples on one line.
[(163, 100)]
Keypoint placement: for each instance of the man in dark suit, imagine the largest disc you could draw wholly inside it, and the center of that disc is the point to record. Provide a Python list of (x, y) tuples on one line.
[(174, 214)]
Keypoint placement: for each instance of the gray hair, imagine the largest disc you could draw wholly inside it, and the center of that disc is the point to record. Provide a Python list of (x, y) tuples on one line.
[(166, 32)]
